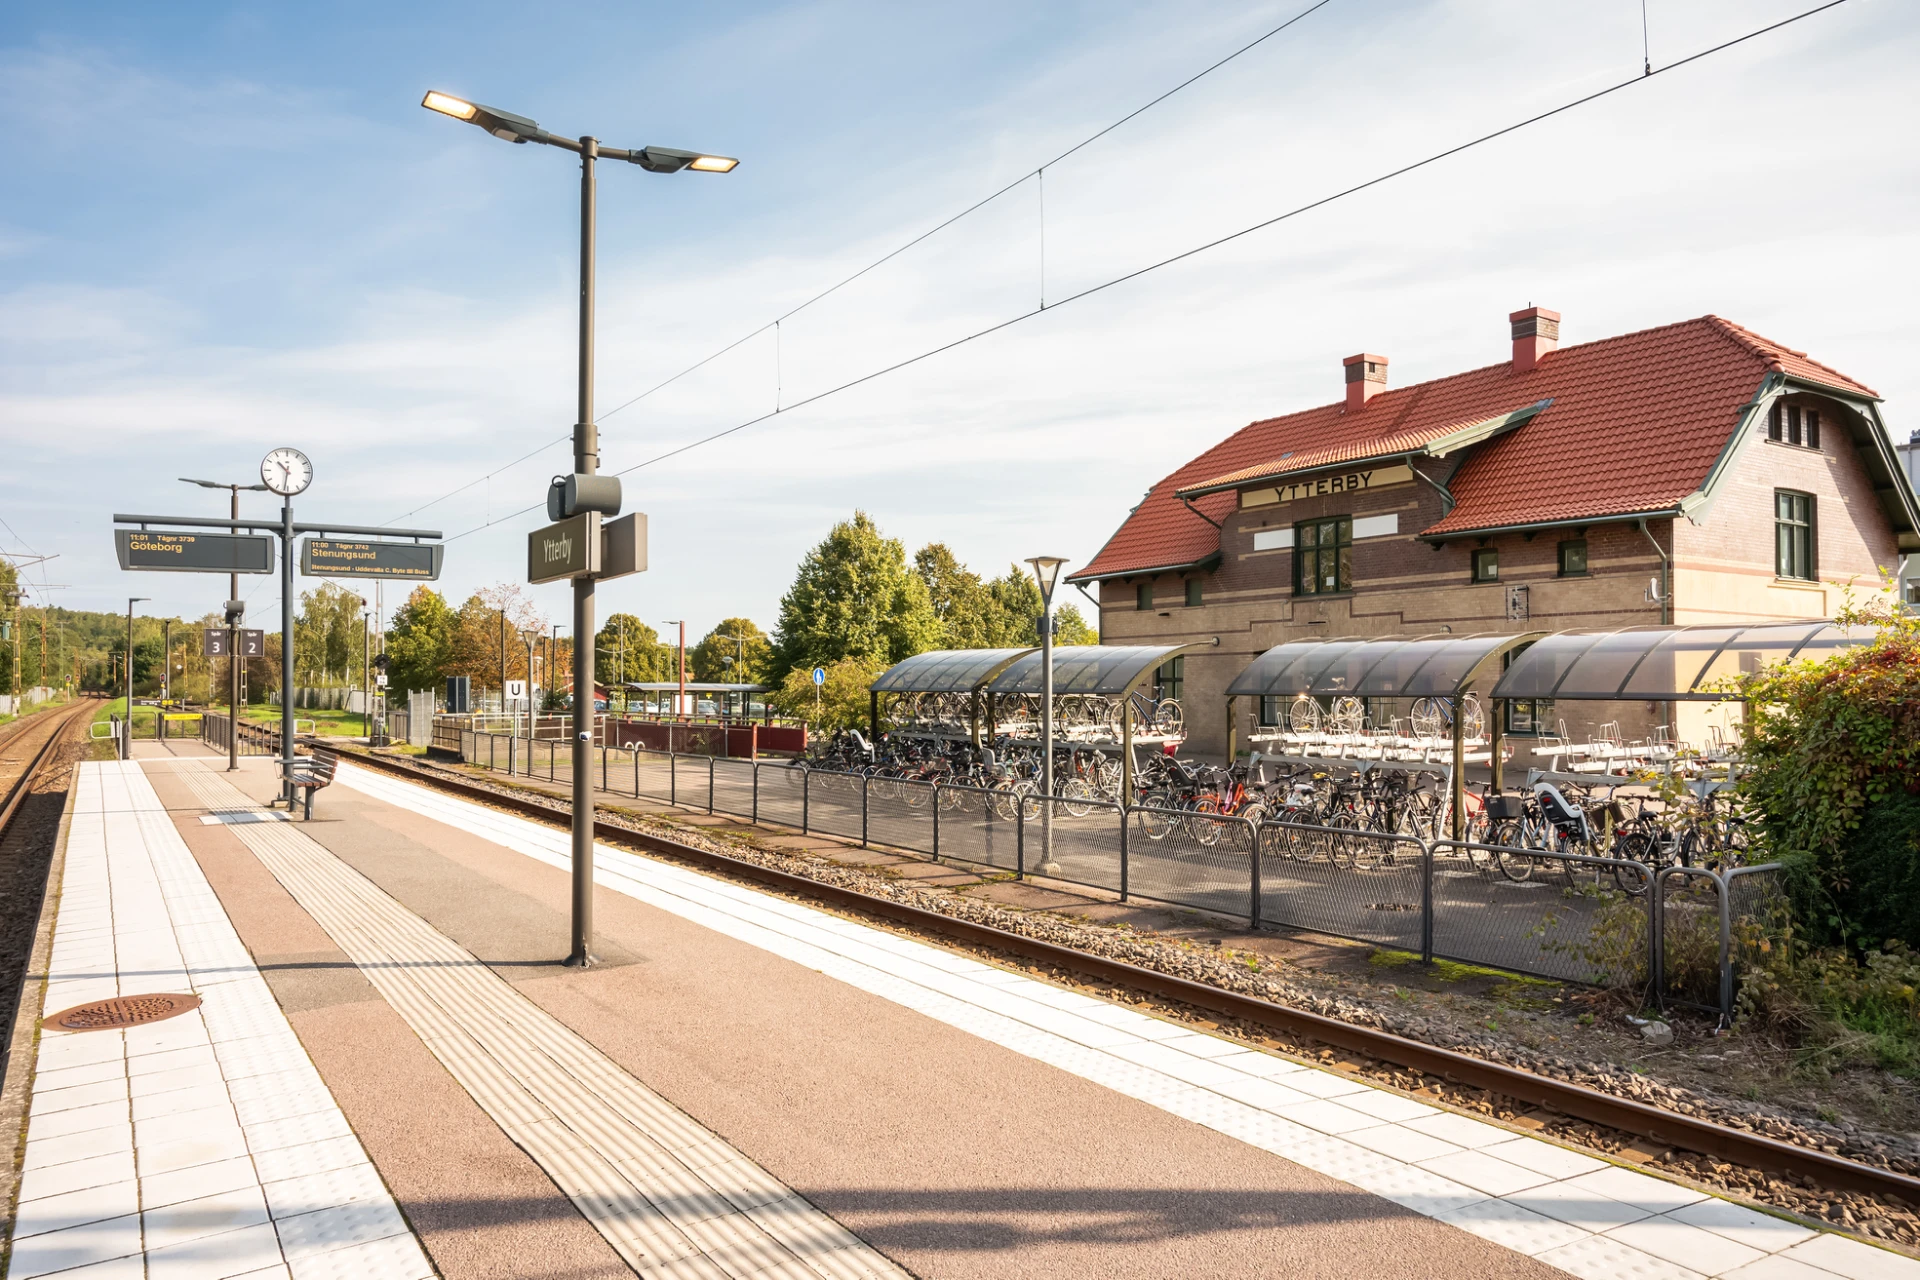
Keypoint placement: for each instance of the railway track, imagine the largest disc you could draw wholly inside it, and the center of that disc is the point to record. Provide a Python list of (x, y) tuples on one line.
[(1577, 1102), (26, 749)]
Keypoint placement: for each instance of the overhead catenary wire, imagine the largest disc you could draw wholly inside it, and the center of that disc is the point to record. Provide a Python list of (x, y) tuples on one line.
[(881, 261), (1205, 247)]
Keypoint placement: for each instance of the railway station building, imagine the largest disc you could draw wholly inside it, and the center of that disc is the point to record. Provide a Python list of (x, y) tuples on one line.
[(1694, 473)]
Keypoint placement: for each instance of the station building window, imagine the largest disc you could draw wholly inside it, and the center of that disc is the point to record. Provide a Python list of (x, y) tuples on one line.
[(1529, 717), (1323, 556), (1193, 593), (1486, 564), (1143, 597), (1573, 558), (1272, 709), (1169, 679), (1793, 535), (1790, 424)]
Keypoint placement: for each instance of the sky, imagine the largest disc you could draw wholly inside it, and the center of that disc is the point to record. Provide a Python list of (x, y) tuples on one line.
[(226, 228)]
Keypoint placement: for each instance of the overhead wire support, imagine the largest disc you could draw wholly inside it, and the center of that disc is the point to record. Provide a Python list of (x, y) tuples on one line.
[(1215, 243)]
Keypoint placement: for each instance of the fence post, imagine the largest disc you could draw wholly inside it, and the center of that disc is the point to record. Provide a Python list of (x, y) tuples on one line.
[(1253, 907), (673, 774), (756, 795), (1426, 903), (603, 766), (936, 822), (1657, 937), (510, 742), (806, 797), (1725, 885), (1019, 838), (709, 786), (1125, 841), (866, 785)]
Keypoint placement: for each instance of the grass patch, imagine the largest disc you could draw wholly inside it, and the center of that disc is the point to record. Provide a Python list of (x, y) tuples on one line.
[(327, 723), (1511, 985)]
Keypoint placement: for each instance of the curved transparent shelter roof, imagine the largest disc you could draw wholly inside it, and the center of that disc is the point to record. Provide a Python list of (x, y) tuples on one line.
[(1090, 668), (1666, 664), (1389, 667), (946, 670)]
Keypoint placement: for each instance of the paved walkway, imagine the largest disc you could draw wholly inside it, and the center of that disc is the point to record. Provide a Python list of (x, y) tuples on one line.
[(749, 1086), (202, 1146)]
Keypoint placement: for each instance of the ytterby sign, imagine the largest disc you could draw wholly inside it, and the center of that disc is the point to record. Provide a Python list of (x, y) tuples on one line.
[(569, 549)]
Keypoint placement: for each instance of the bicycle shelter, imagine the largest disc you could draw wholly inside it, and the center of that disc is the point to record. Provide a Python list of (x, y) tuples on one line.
[(1430, 666), (951, 671), (1099, 670)]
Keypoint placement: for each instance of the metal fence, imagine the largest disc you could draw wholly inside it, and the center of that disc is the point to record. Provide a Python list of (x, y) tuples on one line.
[(216, 731), (1559, 916)]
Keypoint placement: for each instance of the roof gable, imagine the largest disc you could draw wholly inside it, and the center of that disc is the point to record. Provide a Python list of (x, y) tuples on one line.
[(1649, 412)]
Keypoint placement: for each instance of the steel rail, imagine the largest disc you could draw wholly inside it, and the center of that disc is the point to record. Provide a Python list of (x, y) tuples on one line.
[(1668, 1128), (17, 793)]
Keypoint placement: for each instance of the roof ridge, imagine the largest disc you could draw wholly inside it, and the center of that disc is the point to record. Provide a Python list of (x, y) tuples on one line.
[(1760, 344)]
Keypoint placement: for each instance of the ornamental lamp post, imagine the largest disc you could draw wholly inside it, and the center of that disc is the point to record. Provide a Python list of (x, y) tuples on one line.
[(586, 446), (1046, 571)]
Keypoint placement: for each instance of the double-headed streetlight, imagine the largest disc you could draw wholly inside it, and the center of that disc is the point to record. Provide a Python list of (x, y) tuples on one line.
[(1046, 571), (586, 447), (235, 610)]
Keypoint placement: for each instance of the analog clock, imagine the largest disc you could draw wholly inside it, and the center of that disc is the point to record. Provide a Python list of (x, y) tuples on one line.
[(286, 471)]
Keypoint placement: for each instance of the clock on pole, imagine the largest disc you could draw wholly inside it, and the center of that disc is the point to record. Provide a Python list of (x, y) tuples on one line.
[(286, 471)]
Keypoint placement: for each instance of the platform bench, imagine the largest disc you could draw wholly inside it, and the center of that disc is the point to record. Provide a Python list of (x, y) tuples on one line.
[(313, 773)]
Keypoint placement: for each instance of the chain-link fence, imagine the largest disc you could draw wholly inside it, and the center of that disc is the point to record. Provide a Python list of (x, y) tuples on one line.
[(1562, 916)]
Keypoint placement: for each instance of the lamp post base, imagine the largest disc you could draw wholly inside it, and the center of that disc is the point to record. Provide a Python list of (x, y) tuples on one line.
[(577, 961)]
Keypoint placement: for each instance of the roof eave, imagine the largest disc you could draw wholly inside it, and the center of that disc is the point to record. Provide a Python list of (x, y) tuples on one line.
[(1461, 437), (1529, 526), (1212, 557)]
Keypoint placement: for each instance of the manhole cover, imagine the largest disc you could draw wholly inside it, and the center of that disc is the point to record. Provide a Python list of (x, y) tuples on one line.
[(121, 1011), (1391, 906)]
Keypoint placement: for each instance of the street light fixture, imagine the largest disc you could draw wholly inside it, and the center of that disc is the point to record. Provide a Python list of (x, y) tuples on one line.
[(1046, 571), (586, 448)]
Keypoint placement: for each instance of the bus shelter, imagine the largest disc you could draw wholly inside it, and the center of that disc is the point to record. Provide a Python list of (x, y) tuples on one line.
[(1100, 670), (945, 671), (731, 701)]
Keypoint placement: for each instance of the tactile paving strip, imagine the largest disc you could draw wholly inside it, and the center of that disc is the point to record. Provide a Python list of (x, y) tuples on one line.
[(668, 1195)]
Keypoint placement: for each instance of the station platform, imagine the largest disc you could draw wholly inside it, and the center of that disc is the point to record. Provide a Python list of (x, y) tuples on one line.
[(390, 1075)]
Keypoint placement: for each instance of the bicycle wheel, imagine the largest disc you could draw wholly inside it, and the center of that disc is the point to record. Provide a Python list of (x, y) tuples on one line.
[(1155, 822), (1473, 719), (1638, 847), (1167, 720), (1303, 715), (1427, 717), (1340, 846), (1075, 796), (1515, 866)]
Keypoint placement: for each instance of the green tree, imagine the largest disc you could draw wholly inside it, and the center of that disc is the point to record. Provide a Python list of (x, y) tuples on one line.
[(854, 597), (958, 596), (630, 652), (420, 644), (840, 703), (735, 652), (326, 634)]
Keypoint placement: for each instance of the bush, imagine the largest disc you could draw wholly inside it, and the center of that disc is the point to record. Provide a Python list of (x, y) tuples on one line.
[(1839, 1008), (1828, 743)]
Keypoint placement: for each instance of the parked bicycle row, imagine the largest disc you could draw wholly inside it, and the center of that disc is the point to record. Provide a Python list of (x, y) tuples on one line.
[(1699, 826)]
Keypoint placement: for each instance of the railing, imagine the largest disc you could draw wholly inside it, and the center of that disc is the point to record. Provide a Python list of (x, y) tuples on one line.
[(1560, 916), (216, 731)]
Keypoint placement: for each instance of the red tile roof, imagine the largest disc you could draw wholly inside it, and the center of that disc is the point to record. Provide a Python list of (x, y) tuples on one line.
[(1635, 425)]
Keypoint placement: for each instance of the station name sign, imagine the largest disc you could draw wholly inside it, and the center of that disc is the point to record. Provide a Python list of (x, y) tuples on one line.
[(194, 552), (1358, 480), (588, 546), (357, 558)]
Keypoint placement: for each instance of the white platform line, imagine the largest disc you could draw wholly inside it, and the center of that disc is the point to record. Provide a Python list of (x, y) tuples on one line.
[(661, 1188), (205, 1145), (1586, 1216)]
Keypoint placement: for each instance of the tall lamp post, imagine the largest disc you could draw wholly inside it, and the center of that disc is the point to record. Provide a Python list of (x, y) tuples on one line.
[(680, 704), (235, 611), (1046, 571), (126, 742), (586, 447)]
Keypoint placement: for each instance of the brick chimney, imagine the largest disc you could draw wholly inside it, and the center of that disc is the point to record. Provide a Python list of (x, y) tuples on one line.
[(1366, 378), (1536, 331)]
